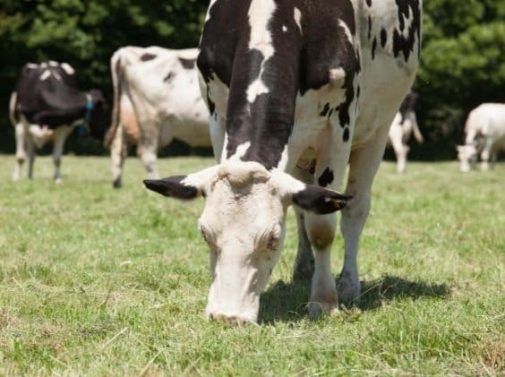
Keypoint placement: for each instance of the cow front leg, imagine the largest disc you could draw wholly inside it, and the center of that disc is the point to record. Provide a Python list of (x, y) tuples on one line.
[(363, 165), (60, 135), (21, 136), (333, 155), (118, 153), (303, 268), (485, 155)]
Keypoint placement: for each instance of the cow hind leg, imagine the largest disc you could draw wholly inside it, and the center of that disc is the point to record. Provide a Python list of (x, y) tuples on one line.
[(21, 136), (30, 151), (364, 163), (118, 152)]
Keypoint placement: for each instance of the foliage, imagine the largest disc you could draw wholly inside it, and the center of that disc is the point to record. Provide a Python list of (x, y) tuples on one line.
[(97, 282), (463, 60)]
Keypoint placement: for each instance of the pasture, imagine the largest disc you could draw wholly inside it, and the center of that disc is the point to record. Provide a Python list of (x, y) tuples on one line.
[(98, 282)]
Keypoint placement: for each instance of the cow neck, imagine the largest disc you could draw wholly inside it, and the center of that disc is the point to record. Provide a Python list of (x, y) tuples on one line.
[(261, 102)]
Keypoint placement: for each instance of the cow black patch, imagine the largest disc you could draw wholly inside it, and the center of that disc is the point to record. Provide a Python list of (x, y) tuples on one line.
[(405, 44), (326, 178), (147, 56), (325, 110), (187, 63), (168, 77), (374, 47), (369, 3), (369, 27), (384, 37), (346, 135)]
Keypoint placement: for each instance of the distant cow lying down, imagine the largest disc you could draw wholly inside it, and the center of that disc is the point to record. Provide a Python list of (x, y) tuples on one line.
[(403, 126), (156, 99), (484, 136), (45, 106)]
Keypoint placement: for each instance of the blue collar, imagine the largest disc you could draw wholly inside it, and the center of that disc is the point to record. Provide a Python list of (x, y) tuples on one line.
[(89, 107)]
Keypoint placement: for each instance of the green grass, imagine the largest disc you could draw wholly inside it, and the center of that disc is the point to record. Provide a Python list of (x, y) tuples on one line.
[(99, 282)]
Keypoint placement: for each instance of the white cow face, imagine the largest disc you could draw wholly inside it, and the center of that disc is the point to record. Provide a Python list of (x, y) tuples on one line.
[(467, 156), (243, 224)]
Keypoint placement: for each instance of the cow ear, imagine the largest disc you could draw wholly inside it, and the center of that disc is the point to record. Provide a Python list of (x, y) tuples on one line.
[(174, 187), (183, 187), (319, 200)]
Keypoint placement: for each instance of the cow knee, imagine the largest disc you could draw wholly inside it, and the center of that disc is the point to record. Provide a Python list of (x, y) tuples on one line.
[(320, 230), (357, 209)]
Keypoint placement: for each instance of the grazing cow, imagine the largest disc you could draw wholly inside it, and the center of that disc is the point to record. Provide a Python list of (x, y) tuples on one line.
[(404, 124), (158, 90), (484, 136), (297, 90), (46, 106)]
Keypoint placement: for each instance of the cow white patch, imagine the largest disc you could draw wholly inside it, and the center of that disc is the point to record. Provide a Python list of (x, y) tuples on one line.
[(67, 68), (284, 28), (337, 75), (255, 89), (260, 13), (283, 162), (241, 151), (347, 31), (298, 19), (32, 65), (45, 75)]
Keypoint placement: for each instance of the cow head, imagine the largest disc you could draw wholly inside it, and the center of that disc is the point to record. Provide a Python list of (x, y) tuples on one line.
[(243, 224), (467, 156), (97, 114)]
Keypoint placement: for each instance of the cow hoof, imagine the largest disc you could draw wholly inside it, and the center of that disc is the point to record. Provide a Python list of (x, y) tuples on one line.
[(117, 184), (348, 290), (319, 309), (58, 181)]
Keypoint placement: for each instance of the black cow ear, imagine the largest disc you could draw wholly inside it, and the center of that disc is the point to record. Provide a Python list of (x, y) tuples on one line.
[(320, 200), (172, 187)]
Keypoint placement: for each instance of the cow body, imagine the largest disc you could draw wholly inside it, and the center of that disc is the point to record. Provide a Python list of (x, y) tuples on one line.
[(156, 92), (298, 91), (403, 126), (484, 136), (45, 106)]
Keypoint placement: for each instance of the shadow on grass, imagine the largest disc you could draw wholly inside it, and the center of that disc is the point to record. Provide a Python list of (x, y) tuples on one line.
[(287, 301)]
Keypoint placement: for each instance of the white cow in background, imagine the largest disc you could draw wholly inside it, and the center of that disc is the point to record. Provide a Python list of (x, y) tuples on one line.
[(158, 89), (484, 136), (403, 126)]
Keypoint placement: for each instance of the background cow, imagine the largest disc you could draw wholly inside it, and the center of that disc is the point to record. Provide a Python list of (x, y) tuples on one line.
[(156, 92), (403, 126), (484, 136), (302, 90), (45, 106)]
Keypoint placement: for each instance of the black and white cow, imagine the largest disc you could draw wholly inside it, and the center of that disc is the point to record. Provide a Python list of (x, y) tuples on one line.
[(45, 106), (157, 89), (403, 126), (298, 90)]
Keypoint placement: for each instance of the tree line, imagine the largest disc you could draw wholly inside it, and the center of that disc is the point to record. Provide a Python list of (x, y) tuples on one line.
[(463, 55)]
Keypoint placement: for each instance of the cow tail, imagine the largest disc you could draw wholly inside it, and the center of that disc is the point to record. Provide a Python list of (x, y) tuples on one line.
[(116, 72), (12, 108), (415, 128)]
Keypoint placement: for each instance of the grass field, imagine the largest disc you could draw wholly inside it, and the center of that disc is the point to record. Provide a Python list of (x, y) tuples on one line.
[(99, 282)]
